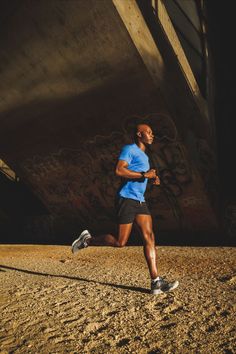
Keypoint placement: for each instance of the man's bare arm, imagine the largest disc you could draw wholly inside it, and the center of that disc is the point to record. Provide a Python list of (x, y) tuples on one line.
[(123, 171)]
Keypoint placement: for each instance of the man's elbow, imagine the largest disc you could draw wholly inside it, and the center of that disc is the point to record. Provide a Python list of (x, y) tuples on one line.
[(118, 172)]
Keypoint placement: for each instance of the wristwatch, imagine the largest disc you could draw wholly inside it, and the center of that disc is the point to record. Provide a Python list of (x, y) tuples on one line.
[(143, 173)]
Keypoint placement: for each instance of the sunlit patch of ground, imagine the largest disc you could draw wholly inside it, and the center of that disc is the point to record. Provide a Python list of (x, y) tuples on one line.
[(98, 300)]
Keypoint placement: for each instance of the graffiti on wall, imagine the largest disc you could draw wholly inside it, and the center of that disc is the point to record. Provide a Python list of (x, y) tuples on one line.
[(80, 183), (205, 160)]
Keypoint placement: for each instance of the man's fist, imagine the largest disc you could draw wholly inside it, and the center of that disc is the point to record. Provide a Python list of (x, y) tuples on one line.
[(150, 174), (156, 181)]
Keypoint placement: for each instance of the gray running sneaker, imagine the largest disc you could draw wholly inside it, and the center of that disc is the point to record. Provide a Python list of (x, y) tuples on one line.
[(81, 241), (162, 286)]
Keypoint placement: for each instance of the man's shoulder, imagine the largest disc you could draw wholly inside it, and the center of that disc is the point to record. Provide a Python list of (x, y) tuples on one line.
[(127, 152), (129, 147)]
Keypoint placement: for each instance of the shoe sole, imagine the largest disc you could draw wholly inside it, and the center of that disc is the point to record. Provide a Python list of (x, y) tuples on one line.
[(156, 292), (75, 246), (159, 291)]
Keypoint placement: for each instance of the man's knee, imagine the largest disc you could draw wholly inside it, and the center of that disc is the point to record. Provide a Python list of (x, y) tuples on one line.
[(120, 244)]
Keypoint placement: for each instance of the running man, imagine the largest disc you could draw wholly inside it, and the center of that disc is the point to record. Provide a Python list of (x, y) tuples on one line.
[(134, 169)]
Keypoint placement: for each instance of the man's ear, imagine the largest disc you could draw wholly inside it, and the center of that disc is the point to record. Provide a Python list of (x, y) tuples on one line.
[(139, 134)]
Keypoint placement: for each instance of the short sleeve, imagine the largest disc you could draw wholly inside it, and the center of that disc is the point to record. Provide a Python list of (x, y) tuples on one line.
[(126, 154)]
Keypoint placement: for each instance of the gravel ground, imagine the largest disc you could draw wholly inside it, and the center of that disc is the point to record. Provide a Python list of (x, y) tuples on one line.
[(98, 300)]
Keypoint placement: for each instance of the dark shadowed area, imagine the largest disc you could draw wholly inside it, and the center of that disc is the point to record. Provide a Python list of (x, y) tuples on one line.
[(75, 77)]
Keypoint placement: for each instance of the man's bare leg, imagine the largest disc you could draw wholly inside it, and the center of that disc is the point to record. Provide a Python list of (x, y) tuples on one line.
[(110, 240), (158, 284), (144, 223)]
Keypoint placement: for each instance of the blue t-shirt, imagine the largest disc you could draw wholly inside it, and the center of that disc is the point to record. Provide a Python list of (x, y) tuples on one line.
[(137, 161)]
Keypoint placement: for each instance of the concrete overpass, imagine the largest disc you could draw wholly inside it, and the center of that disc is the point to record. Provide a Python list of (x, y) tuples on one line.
[(75, 77)]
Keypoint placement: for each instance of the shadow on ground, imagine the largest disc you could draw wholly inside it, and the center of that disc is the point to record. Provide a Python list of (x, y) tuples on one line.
[(118, 286)]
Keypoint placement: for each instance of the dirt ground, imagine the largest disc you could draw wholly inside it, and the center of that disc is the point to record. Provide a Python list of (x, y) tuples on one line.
[(98, 300)]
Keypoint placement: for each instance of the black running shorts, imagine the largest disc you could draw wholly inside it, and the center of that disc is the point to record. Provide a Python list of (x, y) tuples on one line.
[(127, 209)]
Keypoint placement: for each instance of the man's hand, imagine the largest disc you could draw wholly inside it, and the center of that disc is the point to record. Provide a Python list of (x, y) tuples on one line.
[(156, 181), (150, 174)]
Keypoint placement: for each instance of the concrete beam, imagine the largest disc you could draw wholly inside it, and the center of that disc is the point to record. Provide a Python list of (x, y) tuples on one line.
[(149, 52), (167, 26), (142, 38)]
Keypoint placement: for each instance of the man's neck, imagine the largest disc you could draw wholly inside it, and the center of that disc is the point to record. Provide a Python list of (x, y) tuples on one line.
[(141, 145)]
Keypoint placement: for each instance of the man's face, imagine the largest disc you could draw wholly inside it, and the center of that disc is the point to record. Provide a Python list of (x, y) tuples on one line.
[(145, 134)]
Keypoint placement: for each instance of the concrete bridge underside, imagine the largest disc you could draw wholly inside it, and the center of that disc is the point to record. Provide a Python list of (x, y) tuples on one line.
[(75, 77)]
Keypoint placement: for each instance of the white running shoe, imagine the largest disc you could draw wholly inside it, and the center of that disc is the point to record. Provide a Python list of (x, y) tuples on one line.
[(162, 286), (81, 241)]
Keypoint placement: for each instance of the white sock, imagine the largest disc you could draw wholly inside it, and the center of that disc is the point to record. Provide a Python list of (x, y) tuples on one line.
[(154, 280)]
